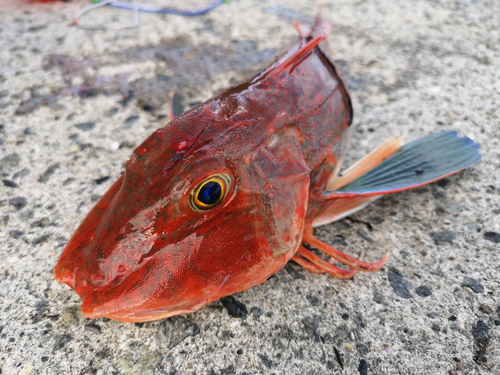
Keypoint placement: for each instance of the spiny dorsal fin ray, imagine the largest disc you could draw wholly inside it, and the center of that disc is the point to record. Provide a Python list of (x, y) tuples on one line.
[(298, 57)]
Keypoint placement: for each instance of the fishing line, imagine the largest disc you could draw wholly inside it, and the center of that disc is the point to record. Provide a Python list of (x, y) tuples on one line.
[(136, 8), (169, 10), (88, 8)]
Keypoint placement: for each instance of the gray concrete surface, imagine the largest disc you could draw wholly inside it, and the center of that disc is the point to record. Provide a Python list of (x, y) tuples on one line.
[(412, 67)]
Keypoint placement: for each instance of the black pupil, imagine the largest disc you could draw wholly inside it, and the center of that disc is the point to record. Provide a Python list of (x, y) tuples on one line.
[(210, 193)]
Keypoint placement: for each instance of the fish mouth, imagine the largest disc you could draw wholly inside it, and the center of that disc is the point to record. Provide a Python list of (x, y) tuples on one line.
[(132, 314), (133, 317)]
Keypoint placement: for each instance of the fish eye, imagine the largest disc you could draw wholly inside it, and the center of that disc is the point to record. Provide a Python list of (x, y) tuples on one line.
[(210, 192)]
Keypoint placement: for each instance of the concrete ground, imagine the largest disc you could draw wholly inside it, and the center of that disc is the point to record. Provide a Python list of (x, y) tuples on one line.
[(75, 103)]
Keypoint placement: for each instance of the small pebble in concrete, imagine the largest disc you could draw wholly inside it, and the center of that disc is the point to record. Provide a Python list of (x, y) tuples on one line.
[(360, 320), (10, 161), (95, 197), (363, 234), (85, 126), (485, 309), (473, 284), (442, 237), (49, 172), (449, 207), (265, 360), (16, 233), (378, 297), (363, 367), (10, 183), (311, 323), (101, 180), (18, 202), (398, 283), (145, 365), (41, 239), (94, 328), (111, 112), (482, 340), (376, 220), (61, 341), (20, 174), (492, 236), (424, 291), (315, 301), (444, 182), (175, 330), (41, 223), (460, 366), (130, 121), (257, 312), (42, 305), (362, 349)]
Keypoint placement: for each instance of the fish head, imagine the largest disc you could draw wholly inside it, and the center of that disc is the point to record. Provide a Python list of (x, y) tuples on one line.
[(208, 206)]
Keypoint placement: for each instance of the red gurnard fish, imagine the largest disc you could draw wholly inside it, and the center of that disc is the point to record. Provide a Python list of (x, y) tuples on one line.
[(227, 193)]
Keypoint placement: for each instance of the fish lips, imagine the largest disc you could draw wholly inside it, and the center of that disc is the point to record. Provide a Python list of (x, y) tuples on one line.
[(158, 288), (114, 309)]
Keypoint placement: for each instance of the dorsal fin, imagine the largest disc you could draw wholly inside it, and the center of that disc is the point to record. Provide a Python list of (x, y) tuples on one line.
[(301, 54), (319, 27)]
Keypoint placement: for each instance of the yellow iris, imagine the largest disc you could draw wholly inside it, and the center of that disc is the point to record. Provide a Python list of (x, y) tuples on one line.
[(210, 192)]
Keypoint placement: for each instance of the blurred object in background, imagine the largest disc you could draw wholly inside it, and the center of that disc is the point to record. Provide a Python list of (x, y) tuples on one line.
[(136, 9)]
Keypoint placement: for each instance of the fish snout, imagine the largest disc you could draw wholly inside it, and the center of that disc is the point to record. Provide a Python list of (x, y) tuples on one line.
[(74, 270)]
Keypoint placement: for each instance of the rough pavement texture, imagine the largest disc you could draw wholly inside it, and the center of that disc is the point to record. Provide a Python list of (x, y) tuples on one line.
[(75, 103)]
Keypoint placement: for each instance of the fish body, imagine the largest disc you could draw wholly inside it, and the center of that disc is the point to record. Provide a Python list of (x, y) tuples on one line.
[(159, 244)]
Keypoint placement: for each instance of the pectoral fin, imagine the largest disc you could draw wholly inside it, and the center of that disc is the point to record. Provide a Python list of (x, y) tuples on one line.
[(176, 107), (417, 163)]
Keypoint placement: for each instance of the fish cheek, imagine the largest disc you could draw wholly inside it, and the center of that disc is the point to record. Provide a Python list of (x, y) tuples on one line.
[(231, 256), (229, 243)]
